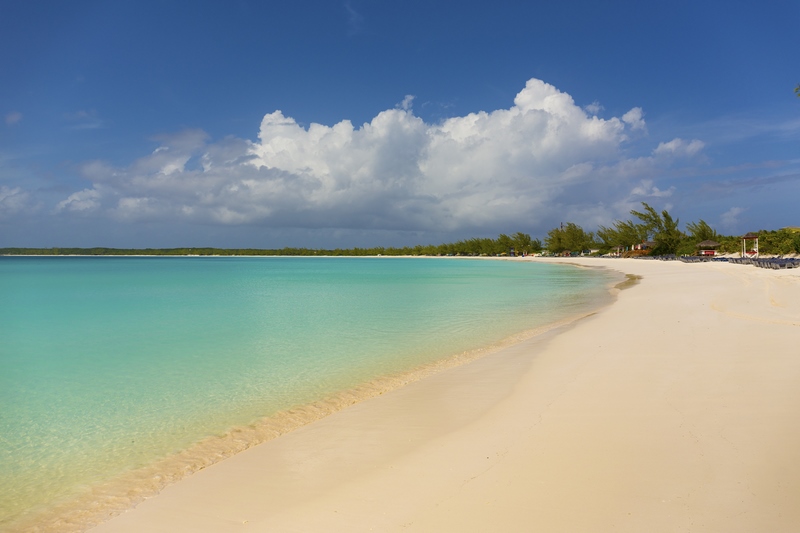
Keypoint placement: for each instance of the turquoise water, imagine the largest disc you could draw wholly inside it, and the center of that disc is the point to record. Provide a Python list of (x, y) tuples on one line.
[(108, 364)]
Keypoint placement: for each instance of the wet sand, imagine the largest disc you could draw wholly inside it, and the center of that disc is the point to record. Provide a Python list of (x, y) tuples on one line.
[(673, 409)]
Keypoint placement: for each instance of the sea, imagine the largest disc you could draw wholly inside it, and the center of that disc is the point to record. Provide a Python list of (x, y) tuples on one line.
[(119, 375)]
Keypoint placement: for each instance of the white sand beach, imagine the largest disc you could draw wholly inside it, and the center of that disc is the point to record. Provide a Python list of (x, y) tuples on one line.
[(673, 409)]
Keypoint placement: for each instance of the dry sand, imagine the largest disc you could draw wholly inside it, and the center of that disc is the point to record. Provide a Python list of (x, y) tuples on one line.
[(674, 409)]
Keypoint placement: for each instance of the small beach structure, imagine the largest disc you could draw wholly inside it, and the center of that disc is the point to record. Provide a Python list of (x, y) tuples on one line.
[(707, 247), (750, 245)]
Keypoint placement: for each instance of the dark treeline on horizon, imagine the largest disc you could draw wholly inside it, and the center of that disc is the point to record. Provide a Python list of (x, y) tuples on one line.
[(660, 229), (503, 244)]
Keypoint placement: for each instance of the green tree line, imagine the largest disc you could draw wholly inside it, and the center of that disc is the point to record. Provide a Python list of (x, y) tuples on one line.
[(662, 232), (659, 228)]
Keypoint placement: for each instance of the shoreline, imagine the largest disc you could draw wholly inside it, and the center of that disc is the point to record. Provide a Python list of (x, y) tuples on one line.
[(99, 503), (672, 409)]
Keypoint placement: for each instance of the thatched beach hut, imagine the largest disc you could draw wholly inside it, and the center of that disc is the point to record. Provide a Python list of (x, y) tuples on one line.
[(707, 247)]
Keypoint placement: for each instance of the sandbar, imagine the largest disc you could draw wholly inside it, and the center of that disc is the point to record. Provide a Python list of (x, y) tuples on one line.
[(675, 408)]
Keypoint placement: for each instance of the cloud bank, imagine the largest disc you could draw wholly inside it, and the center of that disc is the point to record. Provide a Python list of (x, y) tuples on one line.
[(508, 168)]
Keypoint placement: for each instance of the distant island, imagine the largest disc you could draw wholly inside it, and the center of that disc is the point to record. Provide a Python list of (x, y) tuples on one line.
[(503, 245)]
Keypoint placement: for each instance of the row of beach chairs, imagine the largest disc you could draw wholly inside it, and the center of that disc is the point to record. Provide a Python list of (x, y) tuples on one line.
[(701, 259), (686, 258), (775, 263), (672, 257)]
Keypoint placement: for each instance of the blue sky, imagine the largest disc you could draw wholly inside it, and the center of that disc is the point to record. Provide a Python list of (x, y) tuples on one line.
[(362, 123)]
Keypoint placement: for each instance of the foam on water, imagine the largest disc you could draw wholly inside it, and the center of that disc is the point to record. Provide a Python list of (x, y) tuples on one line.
[(120, 375)]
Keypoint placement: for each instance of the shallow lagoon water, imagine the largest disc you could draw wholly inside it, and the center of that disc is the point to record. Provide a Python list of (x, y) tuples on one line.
[(108, 364)]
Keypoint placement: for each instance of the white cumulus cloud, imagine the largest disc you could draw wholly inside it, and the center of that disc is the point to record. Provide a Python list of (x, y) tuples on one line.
[(13, 200), (679, 148), (407, 102), (645, 188), (594, 108), (395, 172), (635, 119), (85, 200), (730, 218)]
